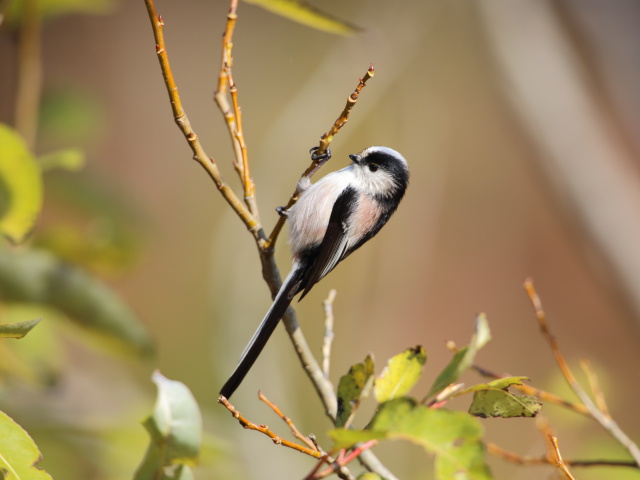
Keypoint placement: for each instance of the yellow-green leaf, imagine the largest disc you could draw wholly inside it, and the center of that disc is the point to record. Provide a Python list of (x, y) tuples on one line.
[(17, 329), (401, 374), (306, 14), (20, 186), (19, 455)]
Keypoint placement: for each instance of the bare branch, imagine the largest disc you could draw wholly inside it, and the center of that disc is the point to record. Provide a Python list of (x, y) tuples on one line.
[(180, 116), (602, 417)]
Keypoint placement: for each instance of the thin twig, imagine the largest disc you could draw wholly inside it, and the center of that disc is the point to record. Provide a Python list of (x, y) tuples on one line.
[(312, 452), (524, 460), (557, 459), (594, 384), (232, 113), (605, 420), (199, 154), (294, 430), (325, 141), (328, 336), (344, 460)]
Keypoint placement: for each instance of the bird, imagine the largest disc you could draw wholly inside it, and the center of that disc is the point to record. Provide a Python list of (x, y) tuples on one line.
[(331, 219)]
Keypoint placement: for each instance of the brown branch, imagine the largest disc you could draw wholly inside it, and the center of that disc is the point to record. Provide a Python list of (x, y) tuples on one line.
[(232, 113), (294, 430), (323, 146), (180, 117), (525, 460), (312, 452), (601, 417), (556, 457)]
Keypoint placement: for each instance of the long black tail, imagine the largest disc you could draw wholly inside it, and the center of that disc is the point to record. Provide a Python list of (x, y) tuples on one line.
[(289, 288)]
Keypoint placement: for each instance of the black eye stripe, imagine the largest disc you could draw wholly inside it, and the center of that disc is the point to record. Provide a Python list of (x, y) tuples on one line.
[(373, 167)]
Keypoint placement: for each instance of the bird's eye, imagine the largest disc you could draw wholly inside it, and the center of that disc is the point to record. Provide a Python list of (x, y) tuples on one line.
[(373, 167)]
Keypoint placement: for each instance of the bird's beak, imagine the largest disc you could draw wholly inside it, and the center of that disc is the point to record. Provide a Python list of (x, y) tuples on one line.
[(355, 158)]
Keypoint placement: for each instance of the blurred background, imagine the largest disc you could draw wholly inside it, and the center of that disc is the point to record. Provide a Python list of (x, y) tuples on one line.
[(520, 120)]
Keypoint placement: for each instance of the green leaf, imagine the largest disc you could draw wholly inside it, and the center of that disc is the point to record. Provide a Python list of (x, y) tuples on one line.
[(351, 387), (17, 329), (33, 276), (495, 402), (68, 159), (400, 375), (463, 359), (175, 428), (453, 437), (20, 186), (306, 14), (19, 455)]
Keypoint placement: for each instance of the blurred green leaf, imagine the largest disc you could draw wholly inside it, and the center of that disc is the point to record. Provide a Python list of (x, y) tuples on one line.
[(17, 329), (175, 428), (400, 375), (33, 276), (351, 387), (21, 185), (306, 14), (105, 235), (70, 115), (369, 476), (453, 437), (463, 359), (68, 159), (55, 8), (19, 455)]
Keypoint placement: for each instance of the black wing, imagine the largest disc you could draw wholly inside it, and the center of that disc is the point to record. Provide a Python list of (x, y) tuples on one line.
[(334, 243)]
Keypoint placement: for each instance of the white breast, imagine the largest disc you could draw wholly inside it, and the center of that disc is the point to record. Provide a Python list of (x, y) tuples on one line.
[(309, 217)]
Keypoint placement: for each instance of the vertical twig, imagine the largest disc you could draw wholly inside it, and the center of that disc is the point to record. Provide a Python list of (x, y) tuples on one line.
[(180, 117), (327, 339), (232, 113)]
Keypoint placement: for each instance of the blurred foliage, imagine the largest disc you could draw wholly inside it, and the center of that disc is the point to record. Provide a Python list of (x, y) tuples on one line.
[(55, 8), (20, 186), (175, 428), (306, 14)]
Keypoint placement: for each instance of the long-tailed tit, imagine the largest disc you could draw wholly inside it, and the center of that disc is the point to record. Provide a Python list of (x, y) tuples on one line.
[(331, 219)]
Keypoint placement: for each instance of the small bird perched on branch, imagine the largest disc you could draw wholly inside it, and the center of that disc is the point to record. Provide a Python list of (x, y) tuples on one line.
[(331, 219)]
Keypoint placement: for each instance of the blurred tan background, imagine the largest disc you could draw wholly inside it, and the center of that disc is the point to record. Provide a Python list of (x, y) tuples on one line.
[(520, 120)]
